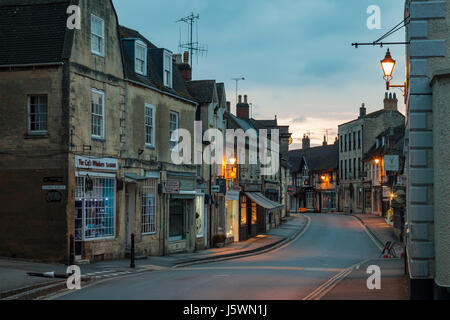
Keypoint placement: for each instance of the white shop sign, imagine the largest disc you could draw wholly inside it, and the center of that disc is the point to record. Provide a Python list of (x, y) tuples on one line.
[(96, 163), (391, 163)]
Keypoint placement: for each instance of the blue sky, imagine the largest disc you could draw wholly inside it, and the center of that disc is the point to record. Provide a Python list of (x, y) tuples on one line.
[(296, 55)]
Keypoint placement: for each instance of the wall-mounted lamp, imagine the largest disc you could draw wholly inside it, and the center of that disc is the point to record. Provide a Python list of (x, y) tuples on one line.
[(388, 66)]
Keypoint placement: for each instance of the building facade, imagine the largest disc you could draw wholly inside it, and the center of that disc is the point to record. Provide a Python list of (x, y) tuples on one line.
[(355, 140), (428, 150)]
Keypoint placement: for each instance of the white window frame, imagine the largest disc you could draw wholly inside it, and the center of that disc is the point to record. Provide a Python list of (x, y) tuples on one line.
[(36, 132), (146, 124), (146, 188), (100, 176), (101, 36), (167, 81), (141, 45), (170, 130), (102, 93)]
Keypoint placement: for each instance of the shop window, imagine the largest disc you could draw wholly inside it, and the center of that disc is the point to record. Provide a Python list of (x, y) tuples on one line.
[(95, 208), (149, 207), (243, 211), (37, 114), (254, 213), (199, 215)]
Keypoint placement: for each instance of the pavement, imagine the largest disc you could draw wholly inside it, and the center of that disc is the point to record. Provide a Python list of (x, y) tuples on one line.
[(393, 279), (15, 283)]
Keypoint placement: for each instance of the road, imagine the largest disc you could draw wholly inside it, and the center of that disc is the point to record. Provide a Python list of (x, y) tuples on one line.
[(330, 245)]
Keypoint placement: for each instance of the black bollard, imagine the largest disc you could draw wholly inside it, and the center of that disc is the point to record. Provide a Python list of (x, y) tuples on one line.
[(132, 265), (71, 250)]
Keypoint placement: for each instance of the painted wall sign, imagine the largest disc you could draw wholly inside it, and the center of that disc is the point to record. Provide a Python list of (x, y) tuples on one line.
[(96, 163), (53, 196), (171, 187)]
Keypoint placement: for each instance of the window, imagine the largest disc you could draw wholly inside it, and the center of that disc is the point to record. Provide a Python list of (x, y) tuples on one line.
[(140, 64), (98, 114), (354, 140), (150, 125), (345, 143), (37, 114), (346, 169), (94, 207), (349, 142), (359, 167), (342, 144), (167, 69), (342, 170), (354, 168), (359, 139), (350, 166), (97, 36), (173, 128), (149, 206)]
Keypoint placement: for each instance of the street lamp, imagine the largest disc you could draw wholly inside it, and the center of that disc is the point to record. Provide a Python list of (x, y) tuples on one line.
[(237, 80), (388, 66), (377, 161)]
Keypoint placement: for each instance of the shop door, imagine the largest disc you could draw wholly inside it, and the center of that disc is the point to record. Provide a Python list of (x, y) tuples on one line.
[(177, 220)]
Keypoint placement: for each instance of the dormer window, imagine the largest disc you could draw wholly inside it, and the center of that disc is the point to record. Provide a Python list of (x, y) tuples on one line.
[(140, 63), (167, 69)]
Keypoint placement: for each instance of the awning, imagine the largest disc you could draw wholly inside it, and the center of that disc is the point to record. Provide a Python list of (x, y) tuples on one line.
[(264, 202)]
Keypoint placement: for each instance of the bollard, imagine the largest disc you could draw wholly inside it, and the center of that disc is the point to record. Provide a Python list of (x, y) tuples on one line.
[(132, 265), (71, 250)]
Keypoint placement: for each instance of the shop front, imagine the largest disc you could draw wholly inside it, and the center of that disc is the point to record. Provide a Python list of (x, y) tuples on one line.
[(95, 207), (232, 215), (180, 188), (264, 210)]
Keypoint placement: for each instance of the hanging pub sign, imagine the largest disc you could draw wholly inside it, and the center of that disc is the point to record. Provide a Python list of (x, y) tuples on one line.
[(96, 163), (391, 163)]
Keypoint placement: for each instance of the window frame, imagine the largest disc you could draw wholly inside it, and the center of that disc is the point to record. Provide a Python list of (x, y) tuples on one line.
[(102, 37), (170, 129), (167, 82), (146, 187), (153, 111), (142, 45), (102, 93), (30, 131)]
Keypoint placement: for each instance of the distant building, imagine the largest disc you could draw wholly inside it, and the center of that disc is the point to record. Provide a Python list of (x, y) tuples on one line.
[(315, 177), (355, 140)]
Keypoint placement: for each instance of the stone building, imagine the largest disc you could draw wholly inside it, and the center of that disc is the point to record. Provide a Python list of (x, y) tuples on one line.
[(355, 140), (428, 148), (87, 119)]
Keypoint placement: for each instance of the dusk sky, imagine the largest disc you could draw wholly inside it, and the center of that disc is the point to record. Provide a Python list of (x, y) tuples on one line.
[(296, 55)]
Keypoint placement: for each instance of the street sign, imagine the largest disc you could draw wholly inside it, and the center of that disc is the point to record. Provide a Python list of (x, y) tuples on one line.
[(391, 163), (171, 187), (215, 189)]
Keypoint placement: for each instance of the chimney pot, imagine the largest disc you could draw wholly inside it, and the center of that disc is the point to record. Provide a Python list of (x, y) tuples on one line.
[(186, 57), (245, 98), (228, 106), (240, 98)]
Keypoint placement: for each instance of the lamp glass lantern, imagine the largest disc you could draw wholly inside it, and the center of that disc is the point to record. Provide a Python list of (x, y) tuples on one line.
[(388, 65)]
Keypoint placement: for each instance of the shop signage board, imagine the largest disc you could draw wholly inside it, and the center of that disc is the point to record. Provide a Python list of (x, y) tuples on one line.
[(96, 163), (53, 196), (171, 187), (54, 187), (215, 189), (391, 163), (232, 195), (252, 188)]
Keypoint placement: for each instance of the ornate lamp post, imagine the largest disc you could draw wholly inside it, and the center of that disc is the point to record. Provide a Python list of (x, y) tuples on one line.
[(388, 66)]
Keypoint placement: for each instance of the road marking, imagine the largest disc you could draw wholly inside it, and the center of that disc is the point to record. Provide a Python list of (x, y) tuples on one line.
[(265, 268), (326, 287)]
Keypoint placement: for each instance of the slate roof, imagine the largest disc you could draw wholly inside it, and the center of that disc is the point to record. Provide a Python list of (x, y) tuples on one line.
[(374, 114), (152, 78), (32, 31), (201, 90), (318, 158)]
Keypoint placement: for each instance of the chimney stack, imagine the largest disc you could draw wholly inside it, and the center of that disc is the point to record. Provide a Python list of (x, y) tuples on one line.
[(362, 111), (243, 108), (390, 101), (185, 68), (228, 106), (325, 142), (305, 142)]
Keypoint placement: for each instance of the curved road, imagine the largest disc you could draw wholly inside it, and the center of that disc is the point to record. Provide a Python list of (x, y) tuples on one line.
[(330, 245)]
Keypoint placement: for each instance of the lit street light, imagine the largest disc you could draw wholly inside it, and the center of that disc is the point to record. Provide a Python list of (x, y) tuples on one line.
[(388, 66)]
